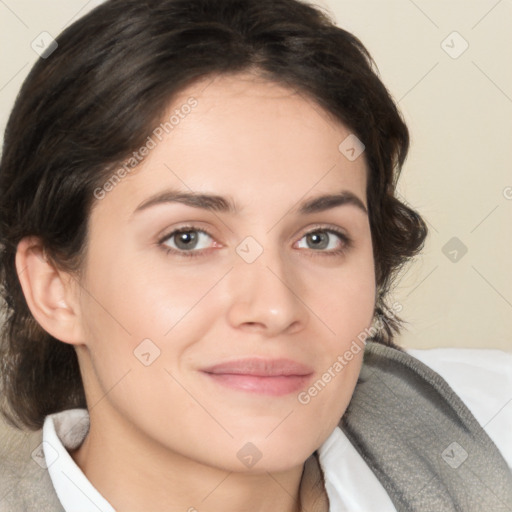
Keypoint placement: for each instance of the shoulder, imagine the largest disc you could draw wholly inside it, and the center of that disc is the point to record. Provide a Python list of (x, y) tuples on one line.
[(482, 378), (412, 425), (24, 480)]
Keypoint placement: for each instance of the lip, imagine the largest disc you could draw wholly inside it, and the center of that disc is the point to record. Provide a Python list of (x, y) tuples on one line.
[(274, 377)]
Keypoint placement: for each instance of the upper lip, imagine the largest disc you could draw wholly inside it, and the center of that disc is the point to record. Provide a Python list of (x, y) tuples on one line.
[(260, 367)]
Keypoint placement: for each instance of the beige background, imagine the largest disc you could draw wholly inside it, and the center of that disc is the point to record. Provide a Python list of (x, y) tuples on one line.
[(459, 175)]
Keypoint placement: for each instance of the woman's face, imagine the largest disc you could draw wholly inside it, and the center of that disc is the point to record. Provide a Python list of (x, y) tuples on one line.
[(205, 344)]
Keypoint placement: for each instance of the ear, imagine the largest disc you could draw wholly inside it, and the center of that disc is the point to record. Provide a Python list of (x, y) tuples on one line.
[(51, 294)]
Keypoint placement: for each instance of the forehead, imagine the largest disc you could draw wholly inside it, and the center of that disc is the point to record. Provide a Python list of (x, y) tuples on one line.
[(246, 138)]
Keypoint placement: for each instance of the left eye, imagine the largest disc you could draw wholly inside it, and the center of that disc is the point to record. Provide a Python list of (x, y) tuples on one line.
[(323, 240)]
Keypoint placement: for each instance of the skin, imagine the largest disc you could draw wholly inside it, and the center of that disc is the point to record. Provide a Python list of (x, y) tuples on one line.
[(165, 436)]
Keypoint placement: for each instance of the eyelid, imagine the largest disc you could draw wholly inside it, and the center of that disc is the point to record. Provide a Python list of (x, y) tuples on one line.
[(325, 227), (167, 233)]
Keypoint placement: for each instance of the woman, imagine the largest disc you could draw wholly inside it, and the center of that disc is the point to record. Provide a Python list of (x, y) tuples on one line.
[(199, 233)]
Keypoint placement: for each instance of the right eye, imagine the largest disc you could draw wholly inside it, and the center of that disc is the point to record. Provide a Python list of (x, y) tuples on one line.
[(187, 240)]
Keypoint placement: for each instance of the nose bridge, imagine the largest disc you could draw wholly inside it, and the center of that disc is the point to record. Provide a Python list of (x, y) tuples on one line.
[(263, 289)]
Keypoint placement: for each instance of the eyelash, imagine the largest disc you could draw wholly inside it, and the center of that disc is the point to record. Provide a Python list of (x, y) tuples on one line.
[(346, 241)]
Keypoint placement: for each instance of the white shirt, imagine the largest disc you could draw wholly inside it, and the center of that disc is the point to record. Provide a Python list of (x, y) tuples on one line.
[(481, 378)]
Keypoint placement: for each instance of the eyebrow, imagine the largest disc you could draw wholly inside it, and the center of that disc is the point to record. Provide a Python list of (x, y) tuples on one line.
[(216, 203)]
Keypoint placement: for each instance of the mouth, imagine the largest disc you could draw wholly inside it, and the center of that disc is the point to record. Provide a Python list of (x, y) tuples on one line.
[(273, 377)]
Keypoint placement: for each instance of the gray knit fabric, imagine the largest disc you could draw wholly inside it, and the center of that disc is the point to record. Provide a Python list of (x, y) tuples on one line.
[(25, 483), (417, 436), (421, 441)]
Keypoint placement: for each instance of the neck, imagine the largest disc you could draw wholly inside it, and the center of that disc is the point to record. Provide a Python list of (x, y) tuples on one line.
[(134, 473)]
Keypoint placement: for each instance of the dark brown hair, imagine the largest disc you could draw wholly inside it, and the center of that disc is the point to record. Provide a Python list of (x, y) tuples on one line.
[(87, 106)]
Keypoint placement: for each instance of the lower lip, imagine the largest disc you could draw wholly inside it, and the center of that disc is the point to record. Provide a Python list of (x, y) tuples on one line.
[(273, 386)]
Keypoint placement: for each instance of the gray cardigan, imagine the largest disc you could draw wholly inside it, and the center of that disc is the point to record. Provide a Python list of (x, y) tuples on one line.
[(414, 432)]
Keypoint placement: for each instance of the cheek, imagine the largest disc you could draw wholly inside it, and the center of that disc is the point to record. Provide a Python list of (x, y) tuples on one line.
[(140, 316), (141, 297), (346, 297), (348, 308), (345, 304)]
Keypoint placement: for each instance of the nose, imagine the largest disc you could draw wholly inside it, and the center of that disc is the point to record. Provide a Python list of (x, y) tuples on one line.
[(266, 298)]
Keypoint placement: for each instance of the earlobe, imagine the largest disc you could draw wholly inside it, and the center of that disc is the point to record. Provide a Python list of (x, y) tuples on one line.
[(49, 292)]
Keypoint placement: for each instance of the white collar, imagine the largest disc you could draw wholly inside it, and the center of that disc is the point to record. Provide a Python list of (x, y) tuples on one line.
[(67, 429)]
